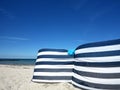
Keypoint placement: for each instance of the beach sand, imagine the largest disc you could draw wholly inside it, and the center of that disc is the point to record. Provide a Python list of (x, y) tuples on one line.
[(19, 78)]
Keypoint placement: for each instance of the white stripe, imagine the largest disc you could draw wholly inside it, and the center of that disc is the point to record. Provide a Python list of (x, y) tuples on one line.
[(52, 53), (85, 87), (54, 60), (38, 80), (99, 59), (53, 73), (97, 80), (98, 49), (98, 70), (54, 66)]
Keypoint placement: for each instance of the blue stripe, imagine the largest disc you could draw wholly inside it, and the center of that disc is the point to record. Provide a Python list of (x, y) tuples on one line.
[(81, 88), (97, 75), (52, 70), (52, 77), (98, 54), (54, 50), (98, 44), (99, 86), (98, 64), (54, 56), (54, 63)]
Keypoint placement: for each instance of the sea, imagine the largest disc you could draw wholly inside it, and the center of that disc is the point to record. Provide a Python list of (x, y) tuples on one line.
[(17, 61)]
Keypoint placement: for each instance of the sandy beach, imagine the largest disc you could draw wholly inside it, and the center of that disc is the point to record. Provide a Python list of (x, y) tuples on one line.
[(19, 78)]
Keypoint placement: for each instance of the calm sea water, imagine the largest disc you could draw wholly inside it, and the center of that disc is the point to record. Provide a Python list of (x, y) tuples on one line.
[(17, 61)]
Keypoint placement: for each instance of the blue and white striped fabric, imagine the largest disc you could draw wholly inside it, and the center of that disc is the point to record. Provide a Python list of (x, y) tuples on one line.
[(53, 65), (97, 66), (94, 66)]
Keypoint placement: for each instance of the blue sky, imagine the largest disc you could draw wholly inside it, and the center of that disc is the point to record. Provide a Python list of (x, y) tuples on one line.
[(29, 25)]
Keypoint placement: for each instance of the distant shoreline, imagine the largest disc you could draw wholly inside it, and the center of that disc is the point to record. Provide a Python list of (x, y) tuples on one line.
[(17, 61), (16, 58)]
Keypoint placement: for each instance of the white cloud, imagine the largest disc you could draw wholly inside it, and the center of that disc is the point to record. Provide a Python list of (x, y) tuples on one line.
[(14, 38)]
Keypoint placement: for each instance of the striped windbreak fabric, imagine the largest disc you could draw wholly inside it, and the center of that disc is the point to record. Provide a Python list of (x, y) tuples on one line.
[(94, 66), (97, 66), (53, 65)]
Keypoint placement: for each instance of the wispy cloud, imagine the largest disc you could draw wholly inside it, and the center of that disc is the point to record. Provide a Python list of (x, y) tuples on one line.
[(76, 5), (6, 13), (13, 38), (100, 13), (80, 4), (97, 15)]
